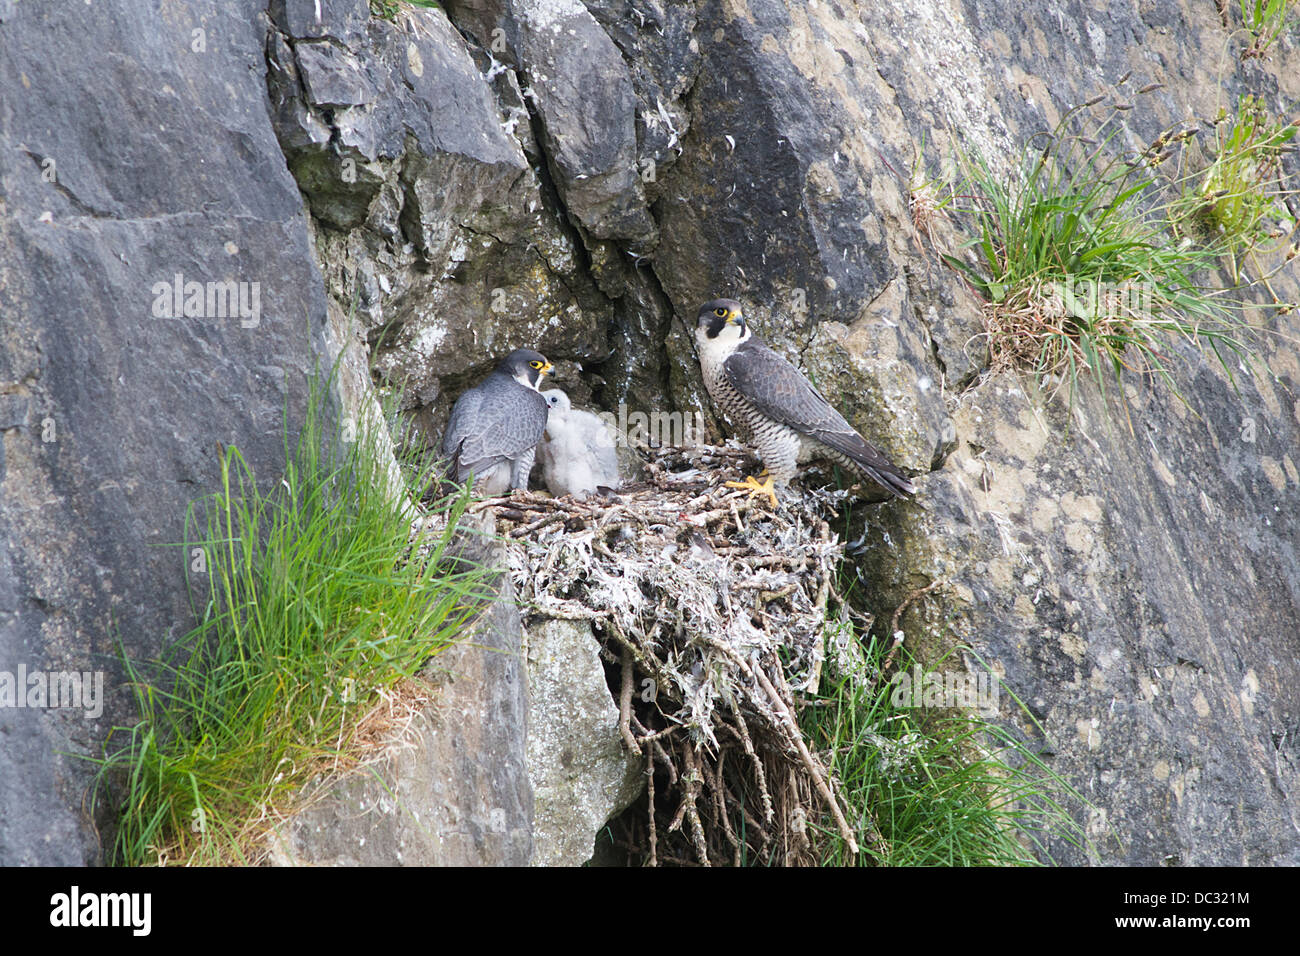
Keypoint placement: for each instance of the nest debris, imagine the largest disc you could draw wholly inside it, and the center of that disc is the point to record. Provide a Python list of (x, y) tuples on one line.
[(711, 611)]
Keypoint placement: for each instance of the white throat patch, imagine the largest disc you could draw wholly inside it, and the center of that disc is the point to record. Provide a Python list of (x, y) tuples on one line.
[(522, 379), (728, 339)]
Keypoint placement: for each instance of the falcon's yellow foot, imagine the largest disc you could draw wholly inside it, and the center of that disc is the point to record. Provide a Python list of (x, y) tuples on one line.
[(755, 487)]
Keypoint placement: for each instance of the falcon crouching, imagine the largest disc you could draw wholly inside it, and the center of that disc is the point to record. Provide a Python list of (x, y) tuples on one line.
[(495, 426)]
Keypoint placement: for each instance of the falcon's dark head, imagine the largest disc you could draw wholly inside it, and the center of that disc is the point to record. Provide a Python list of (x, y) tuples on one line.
[(721, 317), (526, 367)]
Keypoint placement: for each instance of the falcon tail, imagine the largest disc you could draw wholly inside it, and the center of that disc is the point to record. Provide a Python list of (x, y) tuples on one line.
[(870, 462), (893, 481)]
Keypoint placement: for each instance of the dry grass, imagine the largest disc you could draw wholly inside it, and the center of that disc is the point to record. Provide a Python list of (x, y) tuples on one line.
[(1037, 328)]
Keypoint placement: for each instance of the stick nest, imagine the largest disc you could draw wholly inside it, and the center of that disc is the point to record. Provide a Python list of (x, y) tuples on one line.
[(711, 612)]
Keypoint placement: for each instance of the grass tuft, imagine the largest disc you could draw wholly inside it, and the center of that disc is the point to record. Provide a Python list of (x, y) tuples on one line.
[(1238, 203), (928, 198), (1265, 21), (1086, 256), (317, 604), (943, 788), (389, 9)]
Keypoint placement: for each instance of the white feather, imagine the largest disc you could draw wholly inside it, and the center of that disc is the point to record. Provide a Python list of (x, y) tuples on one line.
[(577, 450)]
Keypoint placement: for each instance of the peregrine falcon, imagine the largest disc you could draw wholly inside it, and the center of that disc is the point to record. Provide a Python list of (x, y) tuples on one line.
[(577, 451), (495, 426), (786, 417)]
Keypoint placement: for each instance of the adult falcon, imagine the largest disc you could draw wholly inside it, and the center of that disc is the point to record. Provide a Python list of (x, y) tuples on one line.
[(495, 426), (786, 417)]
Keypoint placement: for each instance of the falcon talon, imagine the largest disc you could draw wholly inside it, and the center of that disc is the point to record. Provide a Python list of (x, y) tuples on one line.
[(756, 488), (788, 420)]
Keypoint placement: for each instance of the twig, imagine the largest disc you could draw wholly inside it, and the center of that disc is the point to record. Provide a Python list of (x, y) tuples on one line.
[(629, 567), (625, 706), (819, 777), (720, 802), (758, 768), (898, 611), (693, 783), (650, 793)]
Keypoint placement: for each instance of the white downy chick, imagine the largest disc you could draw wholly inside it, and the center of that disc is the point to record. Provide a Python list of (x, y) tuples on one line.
[(576, 451)]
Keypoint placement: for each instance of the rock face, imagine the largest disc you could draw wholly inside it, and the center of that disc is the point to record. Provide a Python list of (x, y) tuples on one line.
[(1136, 593), (460, 786), (578, 177), (581, 772), (437, 237), (114, 399), (436, 798)]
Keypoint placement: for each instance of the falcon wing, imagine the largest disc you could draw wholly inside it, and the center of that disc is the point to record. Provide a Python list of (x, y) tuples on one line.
[(495, 422), (780, 391)]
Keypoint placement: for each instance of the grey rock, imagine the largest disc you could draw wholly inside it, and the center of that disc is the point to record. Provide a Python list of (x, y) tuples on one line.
[(791, 195), (15, 410), (581, 771), (332, 76), (1136, 589), (576, 81), (298, 126), (341, 20), (585, 100), (400, 89), (455, 789), (164, 163), (459, 788), (1136, 593), (662, 56), (441, 232), (779, 199), (620, 163)]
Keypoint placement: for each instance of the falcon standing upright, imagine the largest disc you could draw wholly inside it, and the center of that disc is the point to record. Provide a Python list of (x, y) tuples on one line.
[(787, 418), (495, 426)]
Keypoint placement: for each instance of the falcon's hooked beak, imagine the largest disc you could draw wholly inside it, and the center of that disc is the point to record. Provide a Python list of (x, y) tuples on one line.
[(532, 376), (735, 325)]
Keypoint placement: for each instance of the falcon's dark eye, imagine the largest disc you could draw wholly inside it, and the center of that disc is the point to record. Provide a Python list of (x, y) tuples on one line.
[(535, 364), (720, 312)]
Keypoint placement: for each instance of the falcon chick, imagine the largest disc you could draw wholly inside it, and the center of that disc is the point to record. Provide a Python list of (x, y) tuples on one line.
[(787, 418), (577, 452), (495, 426)]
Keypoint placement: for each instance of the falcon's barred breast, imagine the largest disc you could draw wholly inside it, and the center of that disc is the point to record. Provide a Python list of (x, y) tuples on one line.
[(788, 420), (495, 426)]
